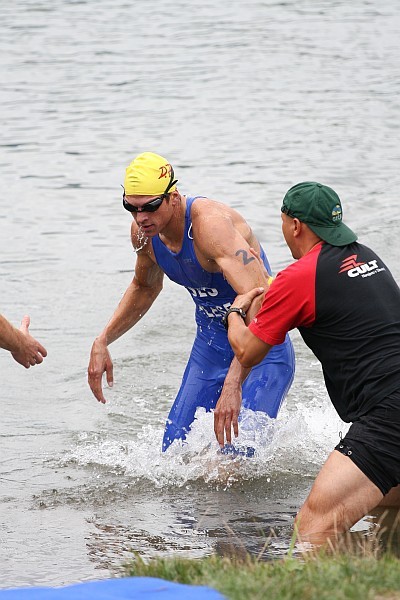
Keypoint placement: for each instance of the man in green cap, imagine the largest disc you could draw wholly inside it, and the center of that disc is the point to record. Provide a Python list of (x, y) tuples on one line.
[(346, 305)]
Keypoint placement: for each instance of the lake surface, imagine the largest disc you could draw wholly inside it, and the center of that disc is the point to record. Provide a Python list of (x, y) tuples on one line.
[(245, 100)]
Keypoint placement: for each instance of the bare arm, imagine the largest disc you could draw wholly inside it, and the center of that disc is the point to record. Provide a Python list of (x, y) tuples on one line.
[(23, 347), (227, 409), (136, 301), (248, 348), (230, 251)]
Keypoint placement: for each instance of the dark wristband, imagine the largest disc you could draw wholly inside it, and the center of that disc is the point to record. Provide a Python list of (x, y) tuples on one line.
[(240, 311)]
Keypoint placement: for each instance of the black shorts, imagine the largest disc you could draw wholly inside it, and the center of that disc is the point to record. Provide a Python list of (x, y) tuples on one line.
[(373, 443)]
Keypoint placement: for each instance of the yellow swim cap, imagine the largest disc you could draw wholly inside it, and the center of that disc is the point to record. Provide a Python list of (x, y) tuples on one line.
[(149, 174)]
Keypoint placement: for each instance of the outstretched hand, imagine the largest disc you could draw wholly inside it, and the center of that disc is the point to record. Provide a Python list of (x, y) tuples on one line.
[(30, 352), (100, 362)]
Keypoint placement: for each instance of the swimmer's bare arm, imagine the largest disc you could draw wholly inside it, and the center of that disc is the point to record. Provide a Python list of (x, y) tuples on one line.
[(248, 348), (23, 347), (136, 301), (224, 244)]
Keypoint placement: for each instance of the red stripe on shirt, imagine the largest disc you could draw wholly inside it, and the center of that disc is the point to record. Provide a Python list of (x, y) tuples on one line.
[(289, 302)]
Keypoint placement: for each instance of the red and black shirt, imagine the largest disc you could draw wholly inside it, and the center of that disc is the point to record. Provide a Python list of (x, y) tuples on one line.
[(346, 305)]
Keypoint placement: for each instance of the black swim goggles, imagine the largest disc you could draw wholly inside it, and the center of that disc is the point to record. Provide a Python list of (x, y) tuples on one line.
[(154, 204)]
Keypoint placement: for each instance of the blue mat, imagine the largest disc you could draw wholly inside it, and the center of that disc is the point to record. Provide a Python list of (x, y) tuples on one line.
[(127, 588)]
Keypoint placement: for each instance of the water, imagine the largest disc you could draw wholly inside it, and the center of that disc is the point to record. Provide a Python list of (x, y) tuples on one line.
[(245, 101)]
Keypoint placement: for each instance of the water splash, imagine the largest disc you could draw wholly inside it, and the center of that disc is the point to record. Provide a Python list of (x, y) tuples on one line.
[(297, 442), (141, 240)]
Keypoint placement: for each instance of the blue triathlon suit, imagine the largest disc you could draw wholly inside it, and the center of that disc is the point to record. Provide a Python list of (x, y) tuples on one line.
[(211, 355)]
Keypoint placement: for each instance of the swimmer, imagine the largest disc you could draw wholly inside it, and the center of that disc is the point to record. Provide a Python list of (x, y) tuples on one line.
[(205, 246)]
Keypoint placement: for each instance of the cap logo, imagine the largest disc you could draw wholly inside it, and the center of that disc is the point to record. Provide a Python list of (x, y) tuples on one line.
[(165, 171), (337, 213)]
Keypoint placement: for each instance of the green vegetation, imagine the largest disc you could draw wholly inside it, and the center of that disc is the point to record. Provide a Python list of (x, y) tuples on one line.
[(333, 576), (355, 566)]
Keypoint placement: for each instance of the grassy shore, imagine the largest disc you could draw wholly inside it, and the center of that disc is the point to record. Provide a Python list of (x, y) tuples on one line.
[(331, 575)]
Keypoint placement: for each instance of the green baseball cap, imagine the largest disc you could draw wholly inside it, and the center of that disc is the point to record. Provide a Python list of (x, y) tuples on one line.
[(320, 208)]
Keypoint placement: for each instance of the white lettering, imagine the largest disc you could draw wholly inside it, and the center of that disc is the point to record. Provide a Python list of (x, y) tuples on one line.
[(209, 314), (365, 270), (372, 272), (215, 311), (203, 292), (212, 292)]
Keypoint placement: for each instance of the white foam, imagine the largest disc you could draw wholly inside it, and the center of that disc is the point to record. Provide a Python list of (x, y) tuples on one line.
[(298, 441)]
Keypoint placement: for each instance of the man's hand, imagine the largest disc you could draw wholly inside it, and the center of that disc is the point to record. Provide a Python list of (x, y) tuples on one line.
[(244, 301), (100, 362), (226, 413), (268, 278), (29, 352)]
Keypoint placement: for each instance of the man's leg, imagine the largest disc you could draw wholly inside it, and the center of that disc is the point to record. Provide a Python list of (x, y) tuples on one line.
[(392, 498), (341, 496), (201, 386)]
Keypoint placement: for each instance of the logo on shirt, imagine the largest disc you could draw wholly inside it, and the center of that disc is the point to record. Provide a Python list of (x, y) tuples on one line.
[(354, 269)]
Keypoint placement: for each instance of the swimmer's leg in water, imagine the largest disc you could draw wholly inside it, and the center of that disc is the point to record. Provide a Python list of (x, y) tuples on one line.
[(268, 382), (202, 384), (264, 389)]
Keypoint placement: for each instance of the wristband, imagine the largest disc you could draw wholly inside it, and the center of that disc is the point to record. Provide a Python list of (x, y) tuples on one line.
[(240, 311)]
